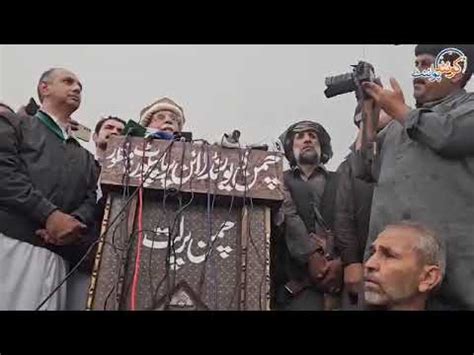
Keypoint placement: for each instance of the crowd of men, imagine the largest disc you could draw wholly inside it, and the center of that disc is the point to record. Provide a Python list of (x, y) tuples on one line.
[(391, 229)]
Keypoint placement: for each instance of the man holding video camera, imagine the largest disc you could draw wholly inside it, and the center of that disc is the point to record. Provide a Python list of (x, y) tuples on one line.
[(423, 164)]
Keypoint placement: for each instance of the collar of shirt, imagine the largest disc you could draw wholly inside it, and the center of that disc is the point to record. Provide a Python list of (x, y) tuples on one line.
[(58, 122), (319, 169), (452, 96)]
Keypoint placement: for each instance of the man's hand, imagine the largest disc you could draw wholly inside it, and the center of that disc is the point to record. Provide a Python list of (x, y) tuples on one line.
[(317, 267), (320, 241), (69, 239), (392, 102), (43, 234), (62, 228), (332, 281), (353, 277)]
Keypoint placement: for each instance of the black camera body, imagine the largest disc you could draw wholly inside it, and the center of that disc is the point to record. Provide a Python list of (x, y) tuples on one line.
[(349, 82)]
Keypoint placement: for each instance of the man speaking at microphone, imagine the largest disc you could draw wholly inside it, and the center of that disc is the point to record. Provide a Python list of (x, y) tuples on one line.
[(163, 119)]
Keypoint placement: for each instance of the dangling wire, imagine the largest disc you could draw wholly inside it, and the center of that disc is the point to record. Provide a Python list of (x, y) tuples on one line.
[(111, 223), (133, 298)]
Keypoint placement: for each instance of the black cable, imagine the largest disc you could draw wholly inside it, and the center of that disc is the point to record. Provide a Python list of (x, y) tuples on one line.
[(68, 275), (118, 260), (130, 242), (245, 208), (169, 247), (241, 158), (125, 252), (125, 193), (212, 211), (170, 239), (166, 177), (229, 212), (177, 214), (126, 141), (124, 228), (136, 273), (262, 262), (126, 255), (222, 224), (203, 272), (252, 242), (163, 279), (213, 270), (243, 168), (209, 228), (170, 231)]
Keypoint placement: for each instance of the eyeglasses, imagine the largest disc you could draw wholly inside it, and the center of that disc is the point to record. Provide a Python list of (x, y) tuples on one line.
[(159, 116)]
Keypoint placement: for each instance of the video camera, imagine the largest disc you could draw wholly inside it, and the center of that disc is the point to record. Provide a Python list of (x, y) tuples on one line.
[(349, 82)]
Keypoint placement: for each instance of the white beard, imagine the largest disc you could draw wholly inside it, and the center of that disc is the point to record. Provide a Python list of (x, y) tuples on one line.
[(375, 298)]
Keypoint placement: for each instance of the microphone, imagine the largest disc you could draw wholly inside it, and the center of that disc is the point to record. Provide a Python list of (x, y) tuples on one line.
[(231, 140)]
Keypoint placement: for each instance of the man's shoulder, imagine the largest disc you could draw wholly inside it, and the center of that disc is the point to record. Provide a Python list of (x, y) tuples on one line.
[(10, 118), (287, 175), (345, 163), (468, 97), (392, 129), (458, 100), (19, 122)]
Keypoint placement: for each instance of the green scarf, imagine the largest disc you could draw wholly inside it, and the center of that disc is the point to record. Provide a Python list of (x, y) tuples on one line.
[(50, 124)]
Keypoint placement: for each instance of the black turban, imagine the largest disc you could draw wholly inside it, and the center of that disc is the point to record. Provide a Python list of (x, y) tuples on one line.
[(434, 49), (286, 139)]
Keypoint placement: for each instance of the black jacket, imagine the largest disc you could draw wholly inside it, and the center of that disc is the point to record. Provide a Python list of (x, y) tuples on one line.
[(352, 212), (296, 219), (39, 173)]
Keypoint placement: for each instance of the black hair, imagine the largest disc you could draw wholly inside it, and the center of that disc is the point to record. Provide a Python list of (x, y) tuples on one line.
[(45, 77), (99, 124)]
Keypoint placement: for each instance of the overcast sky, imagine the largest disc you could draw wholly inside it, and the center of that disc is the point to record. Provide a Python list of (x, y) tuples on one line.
[(258, 89)]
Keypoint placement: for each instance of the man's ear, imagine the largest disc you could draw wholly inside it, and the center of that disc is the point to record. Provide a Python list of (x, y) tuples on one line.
[(429, 279), (94, 137), (43, 89)]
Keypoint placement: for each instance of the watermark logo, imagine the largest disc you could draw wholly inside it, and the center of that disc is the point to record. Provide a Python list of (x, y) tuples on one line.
[(448, 63)]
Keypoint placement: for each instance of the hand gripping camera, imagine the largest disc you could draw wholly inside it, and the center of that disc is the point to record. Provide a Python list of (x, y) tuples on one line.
[(349, 82)]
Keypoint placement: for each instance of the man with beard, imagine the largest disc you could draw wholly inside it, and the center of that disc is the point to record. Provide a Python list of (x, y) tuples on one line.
[(163, 119), (306, 265), (423, 162)]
